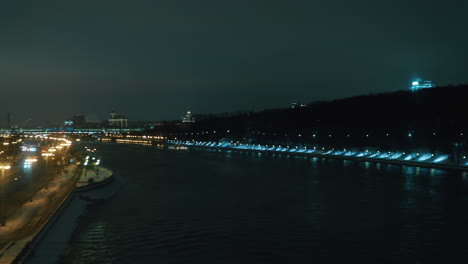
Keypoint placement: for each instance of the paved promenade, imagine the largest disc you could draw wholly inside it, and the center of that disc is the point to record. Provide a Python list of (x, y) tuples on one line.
[(27, 221)]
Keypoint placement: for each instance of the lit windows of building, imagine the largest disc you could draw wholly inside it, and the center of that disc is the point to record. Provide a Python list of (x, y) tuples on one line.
[(420, 84), (188, 118), (117, 120)]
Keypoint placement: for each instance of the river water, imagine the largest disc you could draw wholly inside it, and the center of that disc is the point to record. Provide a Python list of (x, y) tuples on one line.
[(229, 207)]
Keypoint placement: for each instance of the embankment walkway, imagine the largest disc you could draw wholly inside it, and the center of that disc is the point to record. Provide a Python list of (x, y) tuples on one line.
[(25, 225), (407, 159)]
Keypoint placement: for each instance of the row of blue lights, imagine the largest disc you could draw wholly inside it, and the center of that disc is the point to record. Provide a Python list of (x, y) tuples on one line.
[(401, 156), (410, 134)]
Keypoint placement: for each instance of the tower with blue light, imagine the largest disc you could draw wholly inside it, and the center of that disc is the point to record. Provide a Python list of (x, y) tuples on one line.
[(419, 84)]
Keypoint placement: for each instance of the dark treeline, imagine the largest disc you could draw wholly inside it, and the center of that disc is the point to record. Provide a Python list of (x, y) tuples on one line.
[(428, 120)]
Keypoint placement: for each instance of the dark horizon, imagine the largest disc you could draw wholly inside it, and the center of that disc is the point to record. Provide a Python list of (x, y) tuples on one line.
[(153, 61), (446, 91)]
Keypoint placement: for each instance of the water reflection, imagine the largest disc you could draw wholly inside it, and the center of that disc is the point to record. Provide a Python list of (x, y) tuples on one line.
[(260, 209), (408, 174), (465, 176), (314, 159), (367, 164), (347, 163)]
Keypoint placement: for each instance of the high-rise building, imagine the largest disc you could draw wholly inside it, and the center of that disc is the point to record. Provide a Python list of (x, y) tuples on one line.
[(117, 120), (188, 118)]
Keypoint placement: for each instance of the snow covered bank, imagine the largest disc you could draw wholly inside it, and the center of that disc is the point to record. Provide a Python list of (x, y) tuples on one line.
[(52, 242)]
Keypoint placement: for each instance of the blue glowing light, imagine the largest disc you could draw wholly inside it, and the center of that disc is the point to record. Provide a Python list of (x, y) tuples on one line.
[(425, 157), (414, 157), (396, 156), (441, 158), (409, 157), (420, 84), (383, 156)]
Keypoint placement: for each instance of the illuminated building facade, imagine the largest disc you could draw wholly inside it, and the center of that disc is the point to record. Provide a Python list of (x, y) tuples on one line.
[(420, 84), (188, 118), (116, 120)]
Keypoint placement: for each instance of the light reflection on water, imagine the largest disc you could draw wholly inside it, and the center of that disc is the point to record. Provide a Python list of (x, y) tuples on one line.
[(245, 208), (367, 164)]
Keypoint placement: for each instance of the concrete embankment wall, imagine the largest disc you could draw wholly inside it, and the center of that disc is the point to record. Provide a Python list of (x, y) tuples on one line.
[(50, 243), (364, 159)]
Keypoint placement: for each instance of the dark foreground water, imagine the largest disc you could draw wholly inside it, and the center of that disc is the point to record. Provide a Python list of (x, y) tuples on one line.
[(219, 207)]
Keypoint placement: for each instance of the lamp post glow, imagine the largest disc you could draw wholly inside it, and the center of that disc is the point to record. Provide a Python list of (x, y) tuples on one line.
[(2, 212), (28, 166)]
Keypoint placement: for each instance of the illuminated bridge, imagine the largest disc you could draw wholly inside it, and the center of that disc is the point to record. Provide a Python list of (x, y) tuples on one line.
[(70, 130)]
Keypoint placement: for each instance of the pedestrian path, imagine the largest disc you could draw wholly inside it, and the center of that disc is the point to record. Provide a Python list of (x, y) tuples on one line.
[(26, 221)]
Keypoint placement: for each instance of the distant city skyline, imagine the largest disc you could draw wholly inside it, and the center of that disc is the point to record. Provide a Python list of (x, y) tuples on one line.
[(115, 119)]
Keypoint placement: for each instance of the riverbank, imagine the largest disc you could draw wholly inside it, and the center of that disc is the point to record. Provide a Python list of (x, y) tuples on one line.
[(65, 201), (426, 160)]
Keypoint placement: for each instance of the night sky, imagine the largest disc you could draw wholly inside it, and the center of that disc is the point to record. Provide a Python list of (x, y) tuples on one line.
[(151, 60)]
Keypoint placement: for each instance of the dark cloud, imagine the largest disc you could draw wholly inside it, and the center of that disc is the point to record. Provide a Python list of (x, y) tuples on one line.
[(153, 59)]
